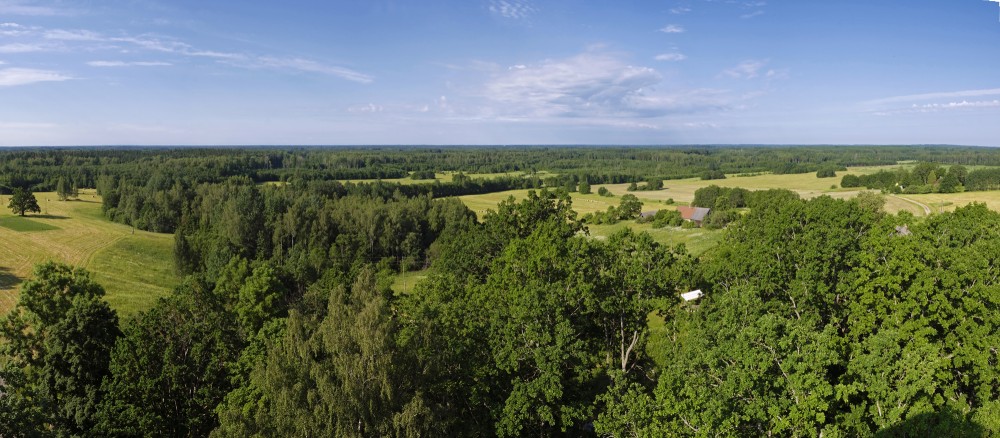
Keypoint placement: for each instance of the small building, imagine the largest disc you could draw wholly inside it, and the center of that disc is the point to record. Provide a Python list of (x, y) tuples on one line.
[(648, 214), (694, 214), (693, 295)]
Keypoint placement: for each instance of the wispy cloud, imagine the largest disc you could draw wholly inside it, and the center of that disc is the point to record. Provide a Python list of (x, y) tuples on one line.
[(589, 83), (25, 9), (13, 30), (306, 65), (128, 63), (38, 40), (10, 77), (594, 87), (368, 108), (680, 10), (670, 57), (512, 9), (938, 107), (672, 28), (752, 14), (936, 96), (22, 48), (748, 69), (72, 35)]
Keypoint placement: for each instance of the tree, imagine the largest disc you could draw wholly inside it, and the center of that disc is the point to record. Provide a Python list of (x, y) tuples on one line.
[(584, 187), (62, 189), (23, 201), (55, 352), (850, 180), (630, 207), (170, 368), (340, 376)]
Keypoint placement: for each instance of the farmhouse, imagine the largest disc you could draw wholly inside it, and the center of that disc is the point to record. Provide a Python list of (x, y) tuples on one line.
[(694, 214)]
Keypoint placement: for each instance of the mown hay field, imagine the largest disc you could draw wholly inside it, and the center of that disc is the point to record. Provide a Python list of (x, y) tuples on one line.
[(135, 268)]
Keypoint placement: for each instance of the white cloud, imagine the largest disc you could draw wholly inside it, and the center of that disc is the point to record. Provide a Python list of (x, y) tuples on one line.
[(312, 67), (936, 96), (22, 76), (672, 28), (594, 88), (13, 30), (128, 63), (745, 70), (752, 14), (19, 8), (512, 9), (369, 108), (777, 74), (680, 10), (63, 39), (72, 35), (22, 48), (587, 83), (670, 57), (937, 107)]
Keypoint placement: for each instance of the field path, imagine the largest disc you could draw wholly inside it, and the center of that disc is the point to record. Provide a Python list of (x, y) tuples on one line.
[(927, 209)]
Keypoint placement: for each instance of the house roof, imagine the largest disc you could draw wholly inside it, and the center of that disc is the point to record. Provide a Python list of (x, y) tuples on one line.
[(648, 213), (693, 295), (696, 214)]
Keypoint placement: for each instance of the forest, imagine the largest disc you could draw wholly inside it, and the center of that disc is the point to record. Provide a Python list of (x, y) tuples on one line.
[(820, 317)]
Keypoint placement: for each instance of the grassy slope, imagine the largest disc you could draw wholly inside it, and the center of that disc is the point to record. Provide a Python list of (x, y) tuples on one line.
[(135, 269)]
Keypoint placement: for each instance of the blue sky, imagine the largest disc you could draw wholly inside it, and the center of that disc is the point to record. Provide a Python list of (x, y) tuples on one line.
[(499, 72)]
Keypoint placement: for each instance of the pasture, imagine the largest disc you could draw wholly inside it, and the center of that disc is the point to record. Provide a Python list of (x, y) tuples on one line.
[(681, 191), (134, 268)]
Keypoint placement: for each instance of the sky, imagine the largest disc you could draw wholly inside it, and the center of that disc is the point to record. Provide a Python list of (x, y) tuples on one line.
[(625, 72)]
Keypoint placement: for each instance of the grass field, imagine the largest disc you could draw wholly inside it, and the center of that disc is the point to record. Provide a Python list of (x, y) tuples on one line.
[(403, 283), (447, 177), (682, 192), (134, 269)]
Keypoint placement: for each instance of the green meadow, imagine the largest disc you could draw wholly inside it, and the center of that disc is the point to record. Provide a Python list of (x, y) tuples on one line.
[(135, 267)]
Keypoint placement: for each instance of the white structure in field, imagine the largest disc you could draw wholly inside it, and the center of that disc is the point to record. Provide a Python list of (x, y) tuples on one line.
[(697, 293)]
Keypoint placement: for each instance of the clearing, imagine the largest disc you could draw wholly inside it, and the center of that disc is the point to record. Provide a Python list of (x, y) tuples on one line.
[(135, 269)]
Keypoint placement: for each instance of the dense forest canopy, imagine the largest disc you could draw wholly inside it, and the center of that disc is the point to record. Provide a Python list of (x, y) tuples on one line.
[(821, 317)]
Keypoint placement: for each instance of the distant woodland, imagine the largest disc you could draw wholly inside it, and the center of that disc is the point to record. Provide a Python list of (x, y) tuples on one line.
[(821, 317)]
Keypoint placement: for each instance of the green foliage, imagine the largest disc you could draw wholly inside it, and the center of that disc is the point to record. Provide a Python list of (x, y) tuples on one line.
[(603, 191), (23, 201), (170, 368), (629, 208), (713, 174), (54, 354), (667, 218), (850, 180), (826, 172), (584, 187), (340, 375), (722, 198), (423, 174)]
